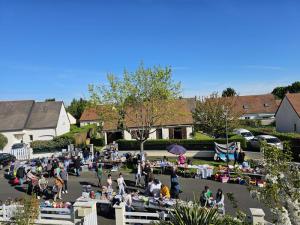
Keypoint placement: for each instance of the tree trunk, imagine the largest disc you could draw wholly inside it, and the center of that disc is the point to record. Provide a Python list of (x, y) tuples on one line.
[(142, 148)]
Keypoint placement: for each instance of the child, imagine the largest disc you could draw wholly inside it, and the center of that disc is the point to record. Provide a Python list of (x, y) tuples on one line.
[(99, 174), (138, 175), (121, 184)]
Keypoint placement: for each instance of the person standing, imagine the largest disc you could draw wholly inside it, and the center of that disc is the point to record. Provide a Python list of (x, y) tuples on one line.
[(121, 184), (147, 173), (99, 174), (109, 182), (58, 184), (138, 174), (20, 175), (181, 159), (64, 176), (42, 184), (77, 165), (175, 188)]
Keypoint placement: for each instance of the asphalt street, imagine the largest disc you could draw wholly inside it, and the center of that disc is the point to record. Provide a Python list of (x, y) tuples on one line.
[(191, 189)]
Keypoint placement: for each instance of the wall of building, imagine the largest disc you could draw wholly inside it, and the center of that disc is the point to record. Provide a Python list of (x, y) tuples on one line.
[(63, 124), (85, 123), (286, 117), (14, 137)]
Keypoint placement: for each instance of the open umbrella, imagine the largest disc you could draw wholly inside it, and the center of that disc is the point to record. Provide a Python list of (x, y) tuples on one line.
[(176, 149)]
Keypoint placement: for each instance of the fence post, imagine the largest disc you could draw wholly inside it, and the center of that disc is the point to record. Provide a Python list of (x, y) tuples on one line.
[(120, 213), (258, 216)]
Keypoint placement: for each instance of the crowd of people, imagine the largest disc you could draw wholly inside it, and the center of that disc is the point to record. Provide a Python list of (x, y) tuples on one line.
[(37, 175)]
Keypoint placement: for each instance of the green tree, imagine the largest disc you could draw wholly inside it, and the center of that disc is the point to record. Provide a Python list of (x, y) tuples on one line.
[(141, 98), (229, 92), (280, 92), (3, 141), (282, 190), (211, 113), (29, 211), (295, 87), (50, 100), (77, 107)]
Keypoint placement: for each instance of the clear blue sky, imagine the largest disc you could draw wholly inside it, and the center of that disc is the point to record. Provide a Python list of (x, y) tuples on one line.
[(55, 48)]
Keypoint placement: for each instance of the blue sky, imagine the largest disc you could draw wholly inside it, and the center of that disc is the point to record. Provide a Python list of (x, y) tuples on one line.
[(55, 48)]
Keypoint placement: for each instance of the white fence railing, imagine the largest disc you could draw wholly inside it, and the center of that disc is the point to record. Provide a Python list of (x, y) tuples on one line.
[(78, 215), (22, 153)]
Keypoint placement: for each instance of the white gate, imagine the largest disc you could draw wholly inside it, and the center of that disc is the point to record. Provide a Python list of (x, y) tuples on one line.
[(22, 153)]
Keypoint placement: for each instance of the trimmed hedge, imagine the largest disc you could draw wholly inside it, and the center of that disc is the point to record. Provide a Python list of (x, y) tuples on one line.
[(57, 144), (125, 145), (98, 142)]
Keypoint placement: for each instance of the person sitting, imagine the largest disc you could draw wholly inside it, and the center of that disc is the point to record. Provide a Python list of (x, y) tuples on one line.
[(164, 191), (208, 192), (203, 199), (155, 188), (219, 198), (127, 198)]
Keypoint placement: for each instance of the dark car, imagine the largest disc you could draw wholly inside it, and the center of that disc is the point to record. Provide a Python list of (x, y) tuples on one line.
[(5, 159)]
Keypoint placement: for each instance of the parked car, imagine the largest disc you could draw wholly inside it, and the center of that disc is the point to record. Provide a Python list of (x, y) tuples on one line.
[(18, 145), (5, 159), (271, 140), (244, 133)]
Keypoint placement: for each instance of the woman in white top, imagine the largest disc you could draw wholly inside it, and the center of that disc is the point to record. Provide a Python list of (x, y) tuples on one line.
[(121, 184)]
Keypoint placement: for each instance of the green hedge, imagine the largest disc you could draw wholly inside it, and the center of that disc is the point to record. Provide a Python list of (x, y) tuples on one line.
[(57, 144), (126, 145), (3, 141), (98, 142)]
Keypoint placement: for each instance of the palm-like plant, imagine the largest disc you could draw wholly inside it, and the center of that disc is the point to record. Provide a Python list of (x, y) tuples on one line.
[(192, 214)]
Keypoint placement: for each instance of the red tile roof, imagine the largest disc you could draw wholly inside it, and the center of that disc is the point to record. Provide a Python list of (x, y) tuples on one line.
[(253, 104), (182, 115)]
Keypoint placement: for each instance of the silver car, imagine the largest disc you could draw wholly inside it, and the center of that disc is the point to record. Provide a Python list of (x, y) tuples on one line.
[(271, 140)]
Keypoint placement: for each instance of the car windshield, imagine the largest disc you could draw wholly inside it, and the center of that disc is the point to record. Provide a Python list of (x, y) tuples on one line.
[(246, 134), (273, 140), (15, 146)]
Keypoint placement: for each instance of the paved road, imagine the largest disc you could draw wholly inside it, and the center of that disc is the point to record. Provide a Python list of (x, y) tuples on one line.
[(191, 187)]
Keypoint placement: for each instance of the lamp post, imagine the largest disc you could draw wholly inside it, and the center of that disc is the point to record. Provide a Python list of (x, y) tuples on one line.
[(226, 131)]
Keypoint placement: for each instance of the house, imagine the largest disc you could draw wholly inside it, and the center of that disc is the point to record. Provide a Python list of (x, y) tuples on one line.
[(288, 114), (260, 107), (71, 118), (27, 121), (178, 126)]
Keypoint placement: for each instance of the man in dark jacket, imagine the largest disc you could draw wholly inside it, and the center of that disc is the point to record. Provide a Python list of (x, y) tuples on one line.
[(20, 175), (77, 164)]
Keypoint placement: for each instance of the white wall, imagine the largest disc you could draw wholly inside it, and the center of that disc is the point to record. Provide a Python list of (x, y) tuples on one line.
[(38, 134), (127, 135), (286, 117), (63, 124), (189, 131), (71, 118)]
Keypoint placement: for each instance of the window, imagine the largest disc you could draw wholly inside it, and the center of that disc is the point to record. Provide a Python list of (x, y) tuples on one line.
[(245, 106), (266, 105), (247, 117), (31, 137), (295, 127), (159, 133)]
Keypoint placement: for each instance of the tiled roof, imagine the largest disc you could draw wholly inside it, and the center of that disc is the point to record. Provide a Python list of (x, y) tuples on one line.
[(253, 104), (182, 115), (27, 114), (294, 99)]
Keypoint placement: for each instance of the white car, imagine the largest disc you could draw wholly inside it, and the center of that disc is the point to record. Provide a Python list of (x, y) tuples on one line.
[(271, 140), (244, 133)]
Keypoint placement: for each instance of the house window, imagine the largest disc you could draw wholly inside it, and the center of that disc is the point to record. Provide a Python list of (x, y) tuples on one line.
[(31, 137), (295, 127), (266, 105), (247, 117), (245, 106), (159, 133)]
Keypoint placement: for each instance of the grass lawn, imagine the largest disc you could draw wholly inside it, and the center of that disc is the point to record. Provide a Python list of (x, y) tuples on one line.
[(201, 136)]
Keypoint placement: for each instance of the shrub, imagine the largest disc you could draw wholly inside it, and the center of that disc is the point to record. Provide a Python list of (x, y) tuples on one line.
[(250, 123), (57, 144), (99, 142), (3, 141), (188, 144)]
